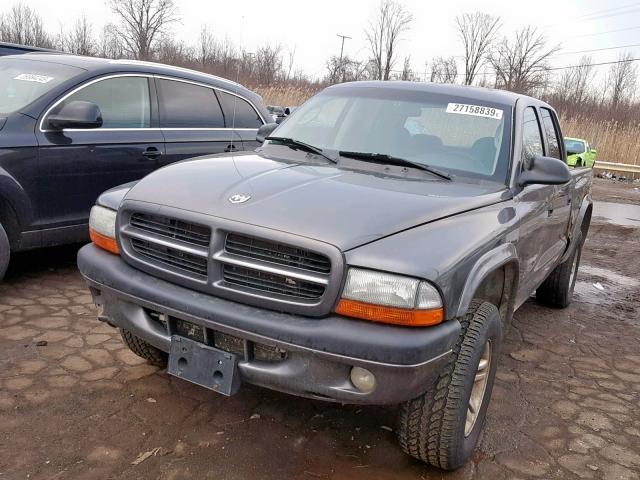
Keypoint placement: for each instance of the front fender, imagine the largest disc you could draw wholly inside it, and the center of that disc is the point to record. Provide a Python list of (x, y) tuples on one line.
[(484, 266)]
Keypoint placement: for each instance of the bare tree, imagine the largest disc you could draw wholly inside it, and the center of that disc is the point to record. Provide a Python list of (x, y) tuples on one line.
[(478, 32), (142, 22), (521, 63), (207, 47), (621, 81), (444, 70), (352, 69), (383, 35), (79, 40), (109, 44), (573, 85), (22, 25), (407, 73)]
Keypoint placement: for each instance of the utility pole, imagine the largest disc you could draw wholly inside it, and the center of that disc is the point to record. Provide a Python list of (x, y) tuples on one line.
[(341, 52)]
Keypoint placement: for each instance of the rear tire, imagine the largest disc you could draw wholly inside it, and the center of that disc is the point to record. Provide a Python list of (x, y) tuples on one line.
[(5, 252), (442, 426), (557, 290), (143, 349)]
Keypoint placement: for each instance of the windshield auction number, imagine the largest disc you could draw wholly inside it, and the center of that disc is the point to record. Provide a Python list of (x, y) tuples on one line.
[(476, 110)]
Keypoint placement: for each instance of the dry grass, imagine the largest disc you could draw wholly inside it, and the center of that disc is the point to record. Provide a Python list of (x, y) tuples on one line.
[(615, 142), (285, 96)]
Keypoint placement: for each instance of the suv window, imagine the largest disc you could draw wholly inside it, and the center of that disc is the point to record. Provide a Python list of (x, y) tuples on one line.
[(245, 114), (531, 135), (184, 105), (552, 134), (123, 101)]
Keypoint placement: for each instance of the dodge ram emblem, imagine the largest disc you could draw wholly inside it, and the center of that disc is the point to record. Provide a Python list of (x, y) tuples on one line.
[(239, 198)]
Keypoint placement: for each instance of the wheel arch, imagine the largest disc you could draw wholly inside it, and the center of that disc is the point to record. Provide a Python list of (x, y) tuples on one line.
[(15, 207), (494, 278)]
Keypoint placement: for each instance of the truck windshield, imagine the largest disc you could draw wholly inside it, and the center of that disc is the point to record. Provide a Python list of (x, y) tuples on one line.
[(22, 81), (458, 135)]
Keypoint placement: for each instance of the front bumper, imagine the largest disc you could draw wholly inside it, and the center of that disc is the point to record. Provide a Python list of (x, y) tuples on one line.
[(320, 351)]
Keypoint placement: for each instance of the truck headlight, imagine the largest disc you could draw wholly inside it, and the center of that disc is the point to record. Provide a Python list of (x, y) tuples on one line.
[(102, 228), (388, 298)]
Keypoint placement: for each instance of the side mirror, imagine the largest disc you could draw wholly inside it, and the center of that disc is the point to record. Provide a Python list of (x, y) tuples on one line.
[(545, 171), (264, 131), (76, 114)]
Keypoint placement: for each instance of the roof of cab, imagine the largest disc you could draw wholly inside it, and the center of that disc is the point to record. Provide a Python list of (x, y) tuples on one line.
[(471, 92), (104, 65)]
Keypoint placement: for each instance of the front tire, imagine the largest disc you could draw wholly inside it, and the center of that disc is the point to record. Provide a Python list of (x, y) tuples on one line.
[(143, 349), (557, 290), (442, 426), (5, 252)]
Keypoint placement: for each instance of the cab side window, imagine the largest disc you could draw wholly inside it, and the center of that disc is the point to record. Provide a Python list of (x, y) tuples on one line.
[(552, 133), (123, 101), (531, 136), (238, 113), (184, 105)]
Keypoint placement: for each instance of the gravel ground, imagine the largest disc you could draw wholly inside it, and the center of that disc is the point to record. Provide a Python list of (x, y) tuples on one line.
[(75, 404)]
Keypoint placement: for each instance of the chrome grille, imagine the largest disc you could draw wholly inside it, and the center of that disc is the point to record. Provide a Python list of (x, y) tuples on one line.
[(269, 282), (225, 259), (171, 257), (172, 228), (277, 253)]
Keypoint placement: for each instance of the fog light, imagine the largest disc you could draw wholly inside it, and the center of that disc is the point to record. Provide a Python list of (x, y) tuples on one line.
[(363, 379)]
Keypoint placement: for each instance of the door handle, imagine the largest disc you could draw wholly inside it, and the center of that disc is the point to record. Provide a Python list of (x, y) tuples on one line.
[(152, 152), (231, 148)]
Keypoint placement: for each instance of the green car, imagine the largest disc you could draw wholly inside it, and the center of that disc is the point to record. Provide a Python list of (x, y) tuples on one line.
[(579, 152)]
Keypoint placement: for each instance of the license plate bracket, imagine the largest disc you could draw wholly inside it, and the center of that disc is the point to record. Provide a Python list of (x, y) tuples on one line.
[(203, 365)]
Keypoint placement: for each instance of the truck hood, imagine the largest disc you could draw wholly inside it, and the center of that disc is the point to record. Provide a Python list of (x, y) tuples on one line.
[(343, 207)]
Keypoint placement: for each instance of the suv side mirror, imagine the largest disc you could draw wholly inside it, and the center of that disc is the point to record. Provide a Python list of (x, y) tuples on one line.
[(264, 131), (545, 171), (76, 114)]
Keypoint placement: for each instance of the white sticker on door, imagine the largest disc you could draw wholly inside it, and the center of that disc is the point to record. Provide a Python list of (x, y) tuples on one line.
[(476, 110)]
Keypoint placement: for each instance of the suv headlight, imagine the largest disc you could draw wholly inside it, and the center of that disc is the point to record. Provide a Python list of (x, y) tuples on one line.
[(388, 298), (102, 228)]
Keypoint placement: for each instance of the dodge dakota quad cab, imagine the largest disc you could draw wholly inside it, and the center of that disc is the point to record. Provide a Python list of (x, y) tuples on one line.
[(371, 251)]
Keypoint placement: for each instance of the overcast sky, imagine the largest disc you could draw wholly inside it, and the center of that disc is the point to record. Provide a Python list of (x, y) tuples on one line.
[(311, 27)]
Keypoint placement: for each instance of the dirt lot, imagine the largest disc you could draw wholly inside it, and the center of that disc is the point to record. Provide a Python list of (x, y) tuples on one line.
[(74, 403)]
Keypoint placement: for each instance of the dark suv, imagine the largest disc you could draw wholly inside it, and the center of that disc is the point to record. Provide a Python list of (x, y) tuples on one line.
[(72, 127)]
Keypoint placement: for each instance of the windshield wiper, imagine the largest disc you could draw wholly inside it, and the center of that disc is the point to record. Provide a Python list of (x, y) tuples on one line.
[(293, 143), (390, 159)]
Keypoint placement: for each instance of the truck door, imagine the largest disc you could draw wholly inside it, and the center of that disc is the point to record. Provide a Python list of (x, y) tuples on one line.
[(559, 218), (77, 165), (534, 204), (192, 121)]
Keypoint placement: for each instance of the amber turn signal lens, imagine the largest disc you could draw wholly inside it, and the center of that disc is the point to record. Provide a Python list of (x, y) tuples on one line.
[(392, 315), (107, 243)]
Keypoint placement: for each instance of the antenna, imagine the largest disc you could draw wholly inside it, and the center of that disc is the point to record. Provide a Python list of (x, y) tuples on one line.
[(235, 91)]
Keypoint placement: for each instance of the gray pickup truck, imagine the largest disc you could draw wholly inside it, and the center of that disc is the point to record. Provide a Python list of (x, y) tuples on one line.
[(372, 251)]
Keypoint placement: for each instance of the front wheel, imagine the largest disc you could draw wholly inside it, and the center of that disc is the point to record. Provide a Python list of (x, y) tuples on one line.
[(442, 426)]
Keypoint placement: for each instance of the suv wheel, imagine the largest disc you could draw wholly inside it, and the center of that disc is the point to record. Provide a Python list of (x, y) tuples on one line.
[(557, 290), (143, 349), (442, 426), (5, 252)]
